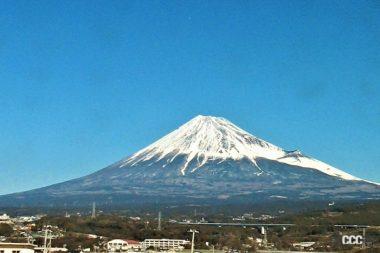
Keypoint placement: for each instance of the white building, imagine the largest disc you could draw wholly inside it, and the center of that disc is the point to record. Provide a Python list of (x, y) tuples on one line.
[(119, 245), (303, 245), (7, 247), (51, 249), (4, 218), (175, 244)]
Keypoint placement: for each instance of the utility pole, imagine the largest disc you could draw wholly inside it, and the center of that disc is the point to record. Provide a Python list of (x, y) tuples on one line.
[(47, 240), (193, 231), (159, 221), (363, 243), (265, 240), (93, 214)]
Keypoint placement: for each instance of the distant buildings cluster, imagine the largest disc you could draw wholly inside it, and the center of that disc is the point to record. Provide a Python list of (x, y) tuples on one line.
[(113, 246), (6, 219), (24, 224), (119, 245)]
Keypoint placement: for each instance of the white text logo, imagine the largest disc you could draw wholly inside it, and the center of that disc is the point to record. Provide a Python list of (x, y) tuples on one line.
[(352, 239)]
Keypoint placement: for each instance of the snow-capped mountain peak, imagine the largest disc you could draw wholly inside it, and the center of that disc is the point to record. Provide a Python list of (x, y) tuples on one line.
[(207, 138)]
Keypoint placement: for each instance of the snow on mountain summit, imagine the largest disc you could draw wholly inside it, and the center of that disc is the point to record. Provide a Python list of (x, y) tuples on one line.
[(207, 138)]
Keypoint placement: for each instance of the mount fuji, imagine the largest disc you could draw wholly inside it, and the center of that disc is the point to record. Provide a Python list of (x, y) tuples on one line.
[(206, 159)]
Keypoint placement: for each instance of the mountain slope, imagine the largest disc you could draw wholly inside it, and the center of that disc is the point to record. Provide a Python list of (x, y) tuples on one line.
[(207, 138), (208, 158)]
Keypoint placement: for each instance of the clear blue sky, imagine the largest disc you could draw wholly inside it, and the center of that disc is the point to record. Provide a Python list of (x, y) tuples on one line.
[(85, 83)]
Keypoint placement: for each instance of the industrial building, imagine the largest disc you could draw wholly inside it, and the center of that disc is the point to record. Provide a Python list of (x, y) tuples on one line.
[(174, 244)]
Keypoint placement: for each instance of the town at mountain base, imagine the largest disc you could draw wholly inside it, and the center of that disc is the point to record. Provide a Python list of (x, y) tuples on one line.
[(207, 160)]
